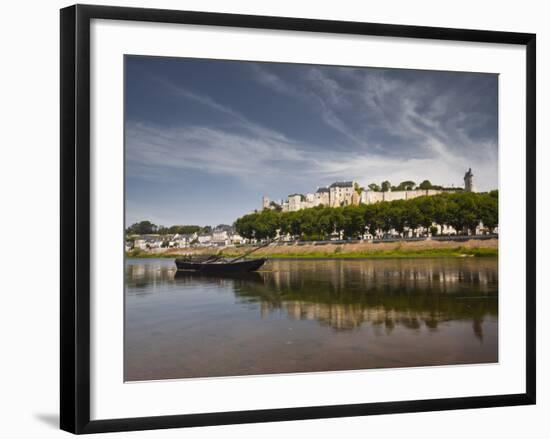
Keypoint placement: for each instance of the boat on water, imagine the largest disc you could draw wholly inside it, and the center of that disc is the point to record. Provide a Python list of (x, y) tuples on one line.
[(217, 264), (213, 265)]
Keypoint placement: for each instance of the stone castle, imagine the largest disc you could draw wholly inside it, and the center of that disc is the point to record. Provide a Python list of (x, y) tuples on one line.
[(346, 193)]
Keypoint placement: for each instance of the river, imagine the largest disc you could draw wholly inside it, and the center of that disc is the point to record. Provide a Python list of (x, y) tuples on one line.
[(309, 316)]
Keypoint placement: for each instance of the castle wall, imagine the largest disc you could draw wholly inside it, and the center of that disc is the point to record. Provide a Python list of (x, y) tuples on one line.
[(370, 197), (322, 198), (294, 203)]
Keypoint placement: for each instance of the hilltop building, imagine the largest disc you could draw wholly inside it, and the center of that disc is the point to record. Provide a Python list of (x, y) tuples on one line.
[(295, 202), (469, 181), (343, 193), (346, 193), (322, 196)]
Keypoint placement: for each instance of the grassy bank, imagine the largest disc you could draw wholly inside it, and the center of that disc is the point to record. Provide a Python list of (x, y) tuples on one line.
[(455, 252), (422, 249)]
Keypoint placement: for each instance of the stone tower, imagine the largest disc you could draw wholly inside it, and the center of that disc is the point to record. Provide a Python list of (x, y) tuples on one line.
[(469, 181), (265, 202)]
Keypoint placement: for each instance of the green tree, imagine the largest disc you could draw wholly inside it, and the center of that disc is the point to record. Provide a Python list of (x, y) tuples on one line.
[(406, 186), (397, 213), (245, 226), (454, 216), (384, 217), (183, 229), (488, 210), (308, 223), (426, 184), (324, 221), (374, 187), (354, 221), (468, 203), (142, 228), (413, 217), (426, 207), (372, 219), (441, 214), (336, 219), (385, 186)]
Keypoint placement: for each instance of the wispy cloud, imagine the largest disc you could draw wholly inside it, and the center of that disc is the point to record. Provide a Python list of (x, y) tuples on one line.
[(209, 149), (211, 103), (322, 93), (380, 112)]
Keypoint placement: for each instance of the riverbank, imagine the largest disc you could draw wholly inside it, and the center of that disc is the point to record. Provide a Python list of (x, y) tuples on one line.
[(400, 249)]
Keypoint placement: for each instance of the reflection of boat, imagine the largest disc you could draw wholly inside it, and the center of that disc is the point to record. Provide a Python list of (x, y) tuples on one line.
[(215, 266), (245, 276)]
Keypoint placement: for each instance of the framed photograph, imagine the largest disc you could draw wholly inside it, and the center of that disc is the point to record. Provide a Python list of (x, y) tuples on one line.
[(268, 218)]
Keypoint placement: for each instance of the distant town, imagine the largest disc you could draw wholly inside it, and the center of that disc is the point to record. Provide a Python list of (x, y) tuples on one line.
[(153, 237), (146, 236)]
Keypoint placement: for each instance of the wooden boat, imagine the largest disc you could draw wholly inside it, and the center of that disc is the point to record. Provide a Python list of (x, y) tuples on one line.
[(216, 265)]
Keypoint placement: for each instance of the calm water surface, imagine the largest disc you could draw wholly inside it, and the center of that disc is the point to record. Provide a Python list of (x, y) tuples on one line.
[(304, 316)]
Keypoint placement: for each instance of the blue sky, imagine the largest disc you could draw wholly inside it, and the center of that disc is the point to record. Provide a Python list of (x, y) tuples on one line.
[(205, 139)]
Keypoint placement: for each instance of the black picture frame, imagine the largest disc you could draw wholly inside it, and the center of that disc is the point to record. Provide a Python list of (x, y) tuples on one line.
[(75, 217)]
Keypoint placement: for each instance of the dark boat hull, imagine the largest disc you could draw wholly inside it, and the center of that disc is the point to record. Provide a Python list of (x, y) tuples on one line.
[(220, 267)]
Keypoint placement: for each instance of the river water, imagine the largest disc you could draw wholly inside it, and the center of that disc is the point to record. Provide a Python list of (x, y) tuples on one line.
[(308, 316)]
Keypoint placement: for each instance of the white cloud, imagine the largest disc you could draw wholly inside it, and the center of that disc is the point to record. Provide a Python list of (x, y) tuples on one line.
[(152, 149), (206, 149)]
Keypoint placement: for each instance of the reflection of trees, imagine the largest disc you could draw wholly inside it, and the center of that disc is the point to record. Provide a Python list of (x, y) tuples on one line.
[(387, 294), (344, 295)]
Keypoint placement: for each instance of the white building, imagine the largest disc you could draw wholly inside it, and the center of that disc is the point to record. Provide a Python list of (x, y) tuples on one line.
[(343, 193), (204, 239), (182, 240), (309, 200), (220, 238), (295, 202), (322, 196), (140, 243), (236, 239)]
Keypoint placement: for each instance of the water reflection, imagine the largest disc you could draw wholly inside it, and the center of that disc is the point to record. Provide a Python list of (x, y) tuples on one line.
[(367, 298), (346, 294)]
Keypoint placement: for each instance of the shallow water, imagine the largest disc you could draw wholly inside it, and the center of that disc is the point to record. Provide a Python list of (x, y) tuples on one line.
[(309, 315)]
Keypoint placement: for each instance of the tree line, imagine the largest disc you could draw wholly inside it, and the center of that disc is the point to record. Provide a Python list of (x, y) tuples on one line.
[(461, 210), (148, 228)]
